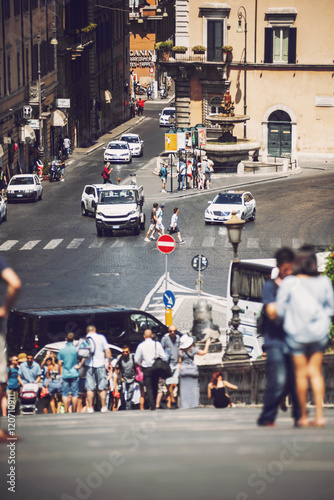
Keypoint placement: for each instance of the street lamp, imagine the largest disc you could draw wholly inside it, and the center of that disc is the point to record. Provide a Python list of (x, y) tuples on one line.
[(235, 349), (242, 14)]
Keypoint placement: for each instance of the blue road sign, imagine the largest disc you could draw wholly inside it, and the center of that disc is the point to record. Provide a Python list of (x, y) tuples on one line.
[(169, 299)]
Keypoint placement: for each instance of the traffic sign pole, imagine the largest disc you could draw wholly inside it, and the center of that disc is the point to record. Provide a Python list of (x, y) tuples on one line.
[(166, 245)]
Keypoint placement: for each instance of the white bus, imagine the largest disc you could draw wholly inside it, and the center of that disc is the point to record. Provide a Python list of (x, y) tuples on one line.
[(249, 277)]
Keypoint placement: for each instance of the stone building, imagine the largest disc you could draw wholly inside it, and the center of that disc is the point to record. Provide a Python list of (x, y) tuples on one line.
[(279, 73)]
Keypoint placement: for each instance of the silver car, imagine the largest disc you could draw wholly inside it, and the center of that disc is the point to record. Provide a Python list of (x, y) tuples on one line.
[(24, 187), (135, 143), (221, 207), (118, 152)]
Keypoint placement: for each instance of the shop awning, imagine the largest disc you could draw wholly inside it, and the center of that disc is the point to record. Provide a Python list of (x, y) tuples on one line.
[(108, 96), (58, 118), (27, 133)]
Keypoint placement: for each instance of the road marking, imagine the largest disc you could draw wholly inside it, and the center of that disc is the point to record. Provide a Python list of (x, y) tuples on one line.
[(209, 241), (140, 243), (52, 244), (222, 231), (75, 243), (96, 244), (275, 242), (118, 243), (189, 241), (253, 243), (8, 245), (30, 245)]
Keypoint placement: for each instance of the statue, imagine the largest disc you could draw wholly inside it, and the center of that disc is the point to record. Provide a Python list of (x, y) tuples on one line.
[(203, 326)]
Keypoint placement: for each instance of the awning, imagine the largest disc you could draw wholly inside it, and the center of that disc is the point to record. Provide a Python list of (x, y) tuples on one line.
[(27, 133), (1, 151), (108, 96), (58, 119)]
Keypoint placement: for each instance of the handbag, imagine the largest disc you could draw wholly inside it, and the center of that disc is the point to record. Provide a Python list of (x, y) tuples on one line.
[(139, 374), (161, 367), (189, 370)]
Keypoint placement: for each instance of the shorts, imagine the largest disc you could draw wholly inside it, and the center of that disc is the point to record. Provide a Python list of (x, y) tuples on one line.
[(96, 377), (71, 385), (152, 227), (82, 382), (298, 348), (163, 180), (173, 231), (55, 388)]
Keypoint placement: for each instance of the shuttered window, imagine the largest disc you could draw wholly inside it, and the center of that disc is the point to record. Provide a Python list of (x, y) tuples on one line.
[(215, 40), (280, 45)]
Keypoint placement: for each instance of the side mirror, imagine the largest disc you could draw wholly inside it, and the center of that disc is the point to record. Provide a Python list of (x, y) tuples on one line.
[(209, 202), (104, 147), (141, 142)]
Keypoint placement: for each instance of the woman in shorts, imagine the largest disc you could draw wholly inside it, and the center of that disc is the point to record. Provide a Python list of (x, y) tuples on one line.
[(173, 229)]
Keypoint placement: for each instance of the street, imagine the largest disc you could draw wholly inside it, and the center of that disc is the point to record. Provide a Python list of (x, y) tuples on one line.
[(61, 261), (184, 454)]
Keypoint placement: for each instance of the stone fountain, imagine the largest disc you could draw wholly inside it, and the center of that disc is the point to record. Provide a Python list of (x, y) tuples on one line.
[(227, 151)]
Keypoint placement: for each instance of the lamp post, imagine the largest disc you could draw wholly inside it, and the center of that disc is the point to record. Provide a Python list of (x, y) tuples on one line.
[(235, 349), (242, 14)]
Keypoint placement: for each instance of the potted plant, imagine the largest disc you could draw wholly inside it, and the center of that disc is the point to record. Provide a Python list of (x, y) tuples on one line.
[(227, 49), (199, 49), (178, 50), (164, 49)]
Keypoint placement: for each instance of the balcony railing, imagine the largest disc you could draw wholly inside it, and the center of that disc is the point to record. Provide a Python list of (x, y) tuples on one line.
[(187, 56)]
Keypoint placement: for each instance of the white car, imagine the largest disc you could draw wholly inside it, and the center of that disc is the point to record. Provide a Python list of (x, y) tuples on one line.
[(89, 198), (56, 346), (118, 151), (24, 187), (165, 116), (3, 209), (221, 207), (135, 143)]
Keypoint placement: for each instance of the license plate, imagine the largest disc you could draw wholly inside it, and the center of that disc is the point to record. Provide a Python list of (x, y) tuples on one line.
[(19, 195), (115, 227)]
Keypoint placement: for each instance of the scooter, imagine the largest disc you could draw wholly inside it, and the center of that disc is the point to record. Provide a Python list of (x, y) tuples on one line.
[(163, 93), (55, 171)]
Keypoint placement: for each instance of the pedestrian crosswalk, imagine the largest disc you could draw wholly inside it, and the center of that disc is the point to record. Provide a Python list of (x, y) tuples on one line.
[(193, 242)]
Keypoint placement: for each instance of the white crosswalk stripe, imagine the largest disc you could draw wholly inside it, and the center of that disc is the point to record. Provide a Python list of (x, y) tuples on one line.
[(52, 244), (118, 243), (275, 242), (8, 245), (96, 244), (253, 243), (75, 243), (208, 241), (30, 245)]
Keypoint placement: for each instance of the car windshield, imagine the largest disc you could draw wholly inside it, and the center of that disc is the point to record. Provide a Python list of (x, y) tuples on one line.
[(168, 112), (131, 140), (117, 197), (19, 181), (229, 199), (117, 146)]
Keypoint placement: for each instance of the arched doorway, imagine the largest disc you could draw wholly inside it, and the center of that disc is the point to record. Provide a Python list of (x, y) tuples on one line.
[(279, 134)]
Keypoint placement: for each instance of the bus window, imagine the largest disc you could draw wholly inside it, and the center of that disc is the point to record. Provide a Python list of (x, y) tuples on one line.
[(249, 282)]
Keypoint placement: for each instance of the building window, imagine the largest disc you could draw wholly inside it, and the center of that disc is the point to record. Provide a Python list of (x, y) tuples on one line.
[(215, 40), (9, 75), (25, 5), (6, 9), (280, 36), (34, 4), (16, 8), (27, 65), (215, 105), (18, 59), (215, 17)]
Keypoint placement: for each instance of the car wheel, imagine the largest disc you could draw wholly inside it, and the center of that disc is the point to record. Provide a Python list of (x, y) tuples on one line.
[(253, 215), (41, 196), (5, 216), (35, 198), (99, 231), (137, 230), (142, 152), (83, 210), (208, 223)]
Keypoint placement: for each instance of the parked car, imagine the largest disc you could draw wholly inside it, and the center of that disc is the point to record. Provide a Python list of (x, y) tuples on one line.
[(165, 116), (3, 209), (55, 347), (135, 143), (118, 151), (24, 187), (89, 198), (221, 207)]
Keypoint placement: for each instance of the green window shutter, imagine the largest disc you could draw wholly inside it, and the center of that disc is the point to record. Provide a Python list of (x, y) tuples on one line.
[(268, 45), (292, 45)]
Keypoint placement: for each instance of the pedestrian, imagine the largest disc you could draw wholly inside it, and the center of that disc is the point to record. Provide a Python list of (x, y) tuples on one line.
[(96, 375), (53, 383), (29, 371), (136, 108), (106, 173), (3, 182), (140, 103), (62, 167), (189, 389), (149, 92), (132, 108), (217, 392), (69, 363), (160, 228), (181, 169), (67, 146), (168, 83), (146, 353), (171, 343), (12, 391), (305, 301), (60, 144), (163, 175), (208, 173), (153, 223), (189, 174), (205, 172), (280, 372), (126, 372), (113, 395), (173, 228)]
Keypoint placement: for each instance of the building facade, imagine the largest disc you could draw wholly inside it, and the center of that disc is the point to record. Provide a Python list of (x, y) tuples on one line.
[(279, 73)]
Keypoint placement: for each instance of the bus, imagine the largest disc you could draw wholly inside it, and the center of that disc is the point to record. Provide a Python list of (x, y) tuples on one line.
[(28, 330), (248, 276)]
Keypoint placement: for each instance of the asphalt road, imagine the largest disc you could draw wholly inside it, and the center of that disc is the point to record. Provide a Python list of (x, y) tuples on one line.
[(184, 454), (70, 265)]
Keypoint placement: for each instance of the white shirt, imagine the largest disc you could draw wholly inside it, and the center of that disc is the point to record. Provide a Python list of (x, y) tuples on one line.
[(101, 344), (67, 142), (173, 221), (148, 351)]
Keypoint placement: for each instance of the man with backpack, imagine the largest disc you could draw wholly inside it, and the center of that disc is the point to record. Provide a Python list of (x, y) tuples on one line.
[(163, 176), (96, 375), (127, 372)]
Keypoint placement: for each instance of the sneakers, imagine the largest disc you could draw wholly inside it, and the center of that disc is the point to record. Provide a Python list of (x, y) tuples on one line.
[(146, 239), (152, 238), (90, 410), (104, 409), (182, 242), (265, 423), (164, 191)]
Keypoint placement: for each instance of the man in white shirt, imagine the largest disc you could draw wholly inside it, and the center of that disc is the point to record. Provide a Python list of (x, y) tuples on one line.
[(146, 353), (96, 370)]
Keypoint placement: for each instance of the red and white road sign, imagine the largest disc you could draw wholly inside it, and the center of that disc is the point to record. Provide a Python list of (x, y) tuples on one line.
[(166, 244)]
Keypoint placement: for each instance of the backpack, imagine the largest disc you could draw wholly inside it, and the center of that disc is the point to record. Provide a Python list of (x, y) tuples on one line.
[(86, 347)]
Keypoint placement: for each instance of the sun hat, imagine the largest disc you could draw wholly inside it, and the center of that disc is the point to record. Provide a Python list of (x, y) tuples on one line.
[(22, 357), (186, 341)]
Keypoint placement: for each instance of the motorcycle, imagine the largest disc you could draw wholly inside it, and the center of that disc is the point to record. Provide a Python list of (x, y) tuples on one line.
[(163, 93), (140, 90), (55, 171)]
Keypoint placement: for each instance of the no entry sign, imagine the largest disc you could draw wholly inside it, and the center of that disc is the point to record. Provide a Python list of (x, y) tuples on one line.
[(166, 244)]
